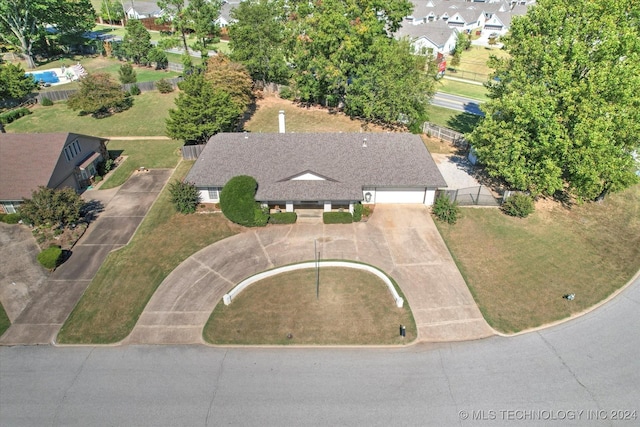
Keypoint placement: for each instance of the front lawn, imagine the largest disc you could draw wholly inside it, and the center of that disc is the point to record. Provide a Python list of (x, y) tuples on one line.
[(146, 118), (353, 307), (128, 278), (141, 153), (519, 269)]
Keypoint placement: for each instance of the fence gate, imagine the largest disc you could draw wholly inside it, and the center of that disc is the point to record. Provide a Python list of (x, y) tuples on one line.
[(470, 196)]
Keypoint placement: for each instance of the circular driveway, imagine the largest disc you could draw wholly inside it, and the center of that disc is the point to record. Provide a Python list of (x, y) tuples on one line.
[(402, 240)]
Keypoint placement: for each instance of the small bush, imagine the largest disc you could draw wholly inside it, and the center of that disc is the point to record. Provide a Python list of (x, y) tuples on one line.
[(286, 93), (357, 212), (135, 90), (337, 218), (97, 179), (185, 196), (283, 218), (260, 216), (127, 74), (446, 210), (12, 218), (164, 86), (519, 205), (50, 258), (105, 166), (13, 115), (46, 102)]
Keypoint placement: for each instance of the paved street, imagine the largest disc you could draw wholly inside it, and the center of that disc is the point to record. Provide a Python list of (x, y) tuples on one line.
[(580, 373), (458, 103)]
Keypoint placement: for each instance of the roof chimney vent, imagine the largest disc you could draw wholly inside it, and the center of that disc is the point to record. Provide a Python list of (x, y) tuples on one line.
[(364, 143), (281, 121)]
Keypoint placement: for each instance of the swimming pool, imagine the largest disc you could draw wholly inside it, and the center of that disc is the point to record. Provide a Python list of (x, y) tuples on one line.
[(44, 76)]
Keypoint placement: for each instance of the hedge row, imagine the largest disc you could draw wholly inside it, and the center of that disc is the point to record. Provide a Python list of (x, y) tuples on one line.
[(13, 218), (337, 217), (13, 115), (283, 218), (50, 258)]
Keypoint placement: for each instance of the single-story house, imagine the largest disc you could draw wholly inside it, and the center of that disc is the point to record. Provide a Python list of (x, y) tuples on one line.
[(320, 170), (142, 9), (54, 160)]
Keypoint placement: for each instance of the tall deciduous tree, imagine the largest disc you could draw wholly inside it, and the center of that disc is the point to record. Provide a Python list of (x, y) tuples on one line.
[(565, 109), (14, 83), (231, 77), (99, 96), (49, 206), (202, 16), (137, 41), (257, 39), (111, 10), (22, 22), (202, 111)]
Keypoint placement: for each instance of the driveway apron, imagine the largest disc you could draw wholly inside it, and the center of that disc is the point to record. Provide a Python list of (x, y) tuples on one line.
[(122, 212), (400, 239)]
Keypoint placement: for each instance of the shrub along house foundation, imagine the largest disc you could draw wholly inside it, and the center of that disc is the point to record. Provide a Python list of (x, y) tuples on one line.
[(326, 171)]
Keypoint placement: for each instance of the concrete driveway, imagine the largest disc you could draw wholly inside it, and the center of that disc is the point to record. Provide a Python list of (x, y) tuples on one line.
[(400, 239), (121, 212)]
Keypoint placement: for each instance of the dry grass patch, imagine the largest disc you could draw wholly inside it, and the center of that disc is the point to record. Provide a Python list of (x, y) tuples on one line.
[(354, 307), (128, 278), (302, 119), (519, 269)]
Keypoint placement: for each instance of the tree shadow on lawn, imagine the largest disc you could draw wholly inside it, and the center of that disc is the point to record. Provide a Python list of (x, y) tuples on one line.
[(464, 122)]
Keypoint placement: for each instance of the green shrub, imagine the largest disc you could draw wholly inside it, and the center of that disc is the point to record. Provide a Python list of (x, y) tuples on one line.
[(126, 74), (286, 93), (46, 102), (12, 218), (337, 217), (49, 206), (164, 86), (2, 215), (135, 90), (357, 212), (50, 258), (185, 196), (283, 218), (445, 210), (238, 204), (519, 204), (260, 216), (13, 115), (105, 166), (97, 178)]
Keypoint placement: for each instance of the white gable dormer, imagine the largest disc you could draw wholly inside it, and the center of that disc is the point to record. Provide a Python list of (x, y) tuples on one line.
[(307, 175)]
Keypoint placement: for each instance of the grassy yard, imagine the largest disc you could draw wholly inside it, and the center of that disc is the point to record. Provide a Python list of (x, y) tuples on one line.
[(474, 61), (519, 269), (128, 278), (462, 89), (4, 320), (147, 153), (461, 122), (145, 118), (354, 307)]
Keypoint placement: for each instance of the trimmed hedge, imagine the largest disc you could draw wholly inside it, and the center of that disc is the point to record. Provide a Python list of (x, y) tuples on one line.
[(337, 217), (283, 218), (357, 212), (13, 115), (50, 258), (238, 204), (12, 218)]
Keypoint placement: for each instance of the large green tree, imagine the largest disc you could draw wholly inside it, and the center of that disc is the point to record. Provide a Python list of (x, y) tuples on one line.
[(49, 206), (201, 16), (202, 111), (22, 22), (174, 13), (136, 44), (565, 109), (100, 96), (14, 83), (111, 11), (257, 39), (231, 77)]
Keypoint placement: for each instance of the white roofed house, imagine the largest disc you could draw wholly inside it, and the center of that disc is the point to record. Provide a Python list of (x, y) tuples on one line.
[(430, 39), (320, 170), (136, 9)]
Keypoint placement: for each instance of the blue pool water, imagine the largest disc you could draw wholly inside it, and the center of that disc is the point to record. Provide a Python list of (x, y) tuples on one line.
[(45, 76)]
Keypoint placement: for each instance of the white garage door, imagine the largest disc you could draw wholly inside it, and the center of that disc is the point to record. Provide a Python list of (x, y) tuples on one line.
[(400, 195)]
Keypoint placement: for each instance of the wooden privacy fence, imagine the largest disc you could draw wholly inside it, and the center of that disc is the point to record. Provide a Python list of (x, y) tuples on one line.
[(191, 152), (63, 95), (446, 134)]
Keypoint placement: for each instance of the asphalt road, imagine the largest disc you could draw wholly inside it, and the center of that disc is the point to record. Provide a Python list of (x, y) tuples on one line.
[(458, 103), (583, 372)]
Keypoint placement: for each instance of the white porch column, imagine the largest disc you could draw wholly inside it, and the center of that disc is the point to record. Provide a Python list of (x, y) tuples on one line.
[(351, 207), (327, 206), (289, 206)]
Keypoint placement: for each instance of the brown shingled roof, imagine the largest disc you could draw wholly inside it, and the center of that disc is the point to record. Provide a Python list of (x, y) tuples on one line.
[(388, 160)]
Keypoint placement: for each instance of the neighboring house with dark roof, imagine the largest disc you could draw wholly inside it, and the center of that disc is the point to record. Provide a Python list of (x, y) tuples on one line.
[(225, 19), (433, 38), (54, 160), (136, 9), (320, 170)]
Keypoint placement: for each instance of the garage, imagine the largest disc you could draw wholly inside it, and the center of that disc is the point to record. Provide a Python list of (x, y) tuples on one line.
[(399, 195)]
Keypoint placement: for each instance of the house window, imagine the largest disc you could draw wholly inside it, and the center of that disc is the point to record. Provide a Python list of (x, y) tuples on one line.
[(10, 207), (76, 145), (214, 193), (67, 154), (72, 150)]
